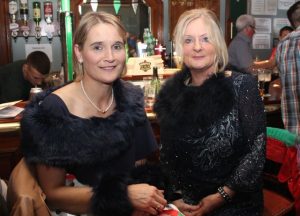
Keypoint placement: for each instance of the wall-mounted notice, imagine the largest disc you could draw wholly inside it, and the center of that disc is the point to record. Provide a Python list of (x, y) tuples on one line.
[(261, 41), (263, 25), (263, 7), (285, 4), (278, 23), (46, 48)]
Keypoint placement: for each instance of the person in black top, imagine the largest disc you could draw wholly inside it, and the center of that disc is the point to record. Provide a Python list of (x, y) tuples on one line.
[(212, 124), (95, 128), (17, 78)]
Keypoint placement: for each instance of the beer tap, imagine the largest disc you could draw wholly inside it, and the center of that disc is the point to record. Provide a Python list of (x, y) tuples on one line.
[(13, 26), (37, 20)]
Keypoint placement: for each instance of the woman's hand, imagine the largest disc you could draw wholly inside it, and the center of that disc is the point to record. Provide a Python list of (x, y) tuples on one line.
[(146, 198), (208, 204), (186, 209)]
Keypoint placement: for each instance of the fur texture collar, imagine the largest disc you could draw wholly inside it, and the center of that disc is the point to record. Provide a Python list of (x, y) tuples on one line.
[(178, 104), (62, 140)]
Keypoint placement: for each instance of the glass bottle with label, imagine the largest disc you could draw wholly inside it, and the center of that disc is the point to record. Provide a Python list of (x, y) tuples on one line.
[(36, 12), (24, 18), (48, 12), (151, 90), (37, 19), (13, 26)]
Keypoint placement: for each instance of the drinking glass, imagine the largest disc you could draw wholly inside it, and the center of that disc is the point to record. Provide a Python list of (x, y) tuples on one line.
[(264, 76), (148, 93)]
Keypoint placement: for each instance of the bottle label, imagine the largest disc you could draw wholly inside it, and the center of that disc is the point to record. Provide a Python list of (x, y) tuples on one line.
[(12, 7), (36, 13)]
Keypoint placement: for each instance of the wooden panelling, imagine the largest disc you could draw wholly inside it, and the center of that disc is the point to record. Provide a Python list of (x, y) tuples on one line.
[(5, 39)]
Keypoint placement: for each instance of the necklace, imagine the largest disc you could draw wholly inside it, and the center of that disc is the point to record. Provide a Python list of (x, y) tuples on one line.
[(94, 105)]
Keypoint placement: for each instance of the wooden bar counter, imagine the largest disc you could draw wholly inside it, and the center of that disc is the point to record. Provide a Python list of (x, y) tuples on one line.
[(10, 137)]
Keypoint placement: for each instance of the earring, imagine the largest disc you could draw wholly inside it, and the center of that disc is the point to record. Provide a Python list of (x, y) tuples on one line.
[(80, 61)]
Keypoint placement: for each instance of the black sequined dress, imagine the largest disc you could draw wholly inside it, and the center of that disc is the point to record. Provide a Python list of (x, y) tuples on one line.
[(214, 135)]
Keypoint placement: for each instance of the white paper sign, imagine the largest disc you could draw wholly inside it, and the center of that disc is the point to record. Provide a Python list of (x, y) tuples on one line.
[(278, 23), (285, 4), (257, 7), (46, 48), (261, 41), (264, 7), (263, 25)]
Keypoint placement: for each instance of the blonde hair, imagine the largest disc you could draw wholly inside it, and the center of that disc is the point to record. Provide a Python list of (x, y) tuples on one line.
[(215, 34), (87, 22)]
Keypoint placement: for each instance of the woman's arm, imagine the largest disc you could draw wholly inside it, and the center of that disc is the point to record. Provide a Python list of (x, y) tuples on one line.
[(248, 173), (75, 200)]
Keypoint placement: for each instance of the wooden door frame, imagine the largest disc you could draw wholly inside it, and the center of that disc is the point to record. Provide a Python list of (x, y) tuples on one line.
[(5, 35)]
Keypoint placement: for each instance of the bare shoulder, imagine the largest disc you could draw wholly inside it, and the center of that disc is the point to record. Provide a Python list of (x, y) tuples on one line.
[(68, 94)]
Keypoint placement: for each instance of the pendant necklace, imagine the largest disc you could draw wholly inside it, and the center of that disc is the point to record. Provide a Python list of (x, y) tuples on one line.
[(94, 105)]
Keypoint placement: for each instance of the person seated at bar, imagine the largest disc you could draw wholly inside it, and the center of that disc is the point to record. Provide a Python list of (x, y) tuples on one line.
[(213, 128), (94, 128), (271, 62), (17, 78)]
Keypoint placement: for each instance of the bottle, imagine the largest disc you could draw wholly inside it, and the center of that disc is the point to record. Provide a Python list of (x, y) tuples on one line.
[(151, 90), (48, 12), (24, 11), (36, 12), (155, 82)]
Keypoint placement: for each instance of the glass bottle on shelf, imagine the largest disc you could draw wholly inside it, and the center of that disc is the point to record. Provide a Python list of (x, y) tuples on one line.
[(37, 12), (48, 12), (24, 18), (37, 19), (13, 26)]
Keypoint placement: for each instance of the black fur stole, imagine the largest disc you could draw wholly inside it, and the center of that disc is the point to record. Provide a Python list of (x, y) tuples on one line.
[(178, 104), (62, 140)]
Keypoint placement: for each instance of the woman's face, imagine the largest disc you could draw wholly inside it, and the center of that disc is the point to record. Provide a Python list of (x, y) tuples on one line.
[(198, 52), (103, 53)]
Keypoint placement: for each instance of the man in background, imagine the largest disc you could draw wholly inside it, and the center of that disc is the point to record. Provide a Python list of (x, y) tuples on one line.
[(240, 50), (17, 78), (288, 61)]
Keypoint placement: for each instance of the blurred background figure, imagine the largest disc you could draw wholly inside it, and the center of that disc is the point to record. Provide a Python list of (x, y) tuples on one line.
[(271, 62), (240, 50), (288, 61), (17, 78)]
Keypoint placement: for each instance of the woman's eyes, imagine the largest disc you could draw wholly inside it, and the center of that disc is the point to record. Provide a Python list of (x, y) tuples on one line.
[(98, 47), (117, 46), (188, 40), (202, 40), (205, 40)]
